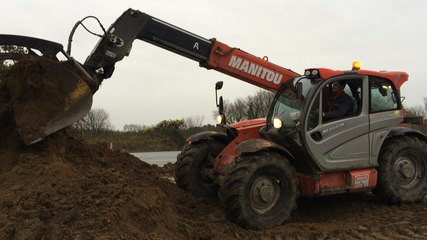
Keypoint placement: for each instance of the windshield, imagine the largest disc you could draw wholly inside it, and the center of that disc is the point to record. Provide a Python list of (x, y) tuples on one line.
[(289, 101)]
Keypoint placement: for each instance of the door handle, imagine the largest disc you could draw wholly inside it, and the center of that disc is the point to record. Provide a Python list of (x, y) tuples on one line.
[(317, 136)]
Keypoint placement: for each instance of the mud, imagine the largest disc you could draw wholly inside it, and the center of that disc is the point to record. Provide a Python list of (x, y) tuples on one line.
[(35, 90), (63, 188)]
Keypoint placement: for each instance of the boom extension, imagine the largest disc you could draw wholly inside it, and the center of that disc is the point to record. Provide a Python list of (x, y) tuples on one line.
[(211, 54)]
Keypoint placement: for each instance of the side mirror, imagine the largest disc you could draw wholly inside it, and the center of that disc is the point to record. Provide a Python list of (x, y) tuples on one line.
[(218, 85), (219, 104)]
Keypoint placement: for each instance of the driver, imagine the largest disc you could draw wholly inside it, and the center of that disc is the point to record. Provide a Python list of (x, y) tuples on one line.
[(340, 104)]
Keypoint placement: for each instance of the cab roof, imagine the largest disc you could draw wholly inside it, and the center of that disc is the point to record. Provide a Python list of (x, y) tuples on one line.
[(397, 77)]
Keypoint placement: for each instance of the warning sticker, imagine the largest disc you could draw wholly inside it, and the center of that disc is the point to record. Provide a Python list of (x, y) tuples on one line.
[(361, 181)]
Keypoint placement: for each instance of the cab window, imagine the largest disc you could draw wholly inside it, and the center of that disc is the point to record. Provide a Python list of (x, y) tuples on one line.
[(383, 95), (341, 99), (332, 101)]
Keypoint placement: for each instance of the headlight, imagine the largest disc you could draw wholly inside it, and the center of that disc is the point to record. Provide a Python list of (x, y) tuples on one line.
[(277, 123), (312, 73), (220, 119), (315, 72)]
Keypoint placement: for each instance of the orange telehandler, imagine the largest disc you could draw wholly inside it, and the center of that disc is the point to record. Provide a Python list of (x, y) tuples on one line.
[(261, 166)]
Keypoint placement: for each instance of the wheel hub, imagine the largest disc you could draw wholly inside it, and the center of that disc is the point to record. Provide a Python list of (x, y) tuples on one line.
[(407, 172), (405, 168), (265, 193)]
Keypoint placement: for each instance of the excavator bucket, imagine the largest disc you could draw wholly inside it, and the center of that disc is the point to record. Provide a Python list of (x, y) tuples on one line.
[(39, 94), (44, 95)]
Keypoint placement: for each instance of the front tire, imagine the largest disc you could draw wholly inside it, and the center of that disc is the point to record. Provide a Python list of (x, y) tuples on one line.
[(193, 163), (260, 191), (402, 174)]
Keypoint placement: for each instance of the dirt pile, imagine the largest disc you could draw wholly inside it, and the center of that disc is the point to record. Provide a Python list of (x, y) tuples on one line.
[(62, 188)]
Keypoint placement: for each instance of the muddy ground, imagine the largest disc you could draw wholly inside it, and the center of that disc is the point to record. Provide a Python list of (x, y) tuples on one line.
[(63, 188)]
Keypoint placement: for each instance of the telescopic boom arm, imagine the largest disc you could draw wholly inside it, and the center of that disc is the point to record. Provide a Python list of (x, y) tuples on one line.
[(210, 53)]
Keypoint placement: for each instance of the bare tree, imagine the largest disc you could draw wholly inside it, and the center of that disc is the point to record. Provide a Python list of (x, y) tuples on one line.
[(425, 104), (194, 121), (96, 120), (133, 127), (417, 110), (235, 111), (251, 107), (258, 104)]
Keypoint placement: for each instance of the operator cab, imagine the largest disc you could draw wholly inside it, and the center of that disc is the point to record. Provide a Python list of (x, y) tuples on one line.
[(296, 119)]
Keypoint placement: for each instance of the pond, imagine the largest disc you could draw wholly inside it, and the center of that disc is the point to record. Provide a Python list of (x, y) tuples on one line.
[(158, 158)]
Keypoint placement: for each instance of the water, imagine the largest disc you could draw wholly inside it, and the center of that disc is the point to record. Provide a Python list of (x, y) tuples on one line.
[(158, 158)]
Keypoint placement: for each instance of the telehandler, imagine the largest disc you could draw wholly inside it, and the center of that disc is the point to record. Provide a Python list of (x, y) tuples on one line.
[(261, 166)]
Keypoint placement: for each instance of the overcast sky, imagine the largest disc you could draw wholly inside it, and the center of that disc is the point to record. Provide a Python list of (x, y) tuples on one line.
[(153, 84)]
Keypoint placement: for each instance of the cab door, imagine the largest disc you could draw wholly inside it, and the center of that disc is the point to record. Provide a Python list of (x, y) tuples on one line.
[(385, 113), (343, 142)]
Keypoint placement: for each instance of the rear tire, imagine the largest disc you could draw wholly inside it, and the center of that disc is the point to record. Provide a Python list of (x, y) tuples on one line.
[(402, 174), (192, 163), (260, 191)]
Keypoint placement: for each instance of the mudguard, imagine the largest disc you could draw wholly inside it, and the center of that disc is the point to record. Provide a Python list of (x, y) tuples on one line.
[(256, 145), (407, 131), (208, 135)]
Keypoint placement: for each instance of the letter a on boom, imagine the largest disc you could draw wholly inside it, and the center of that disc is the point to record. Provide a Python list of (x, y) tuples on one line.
[(196, 46)]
